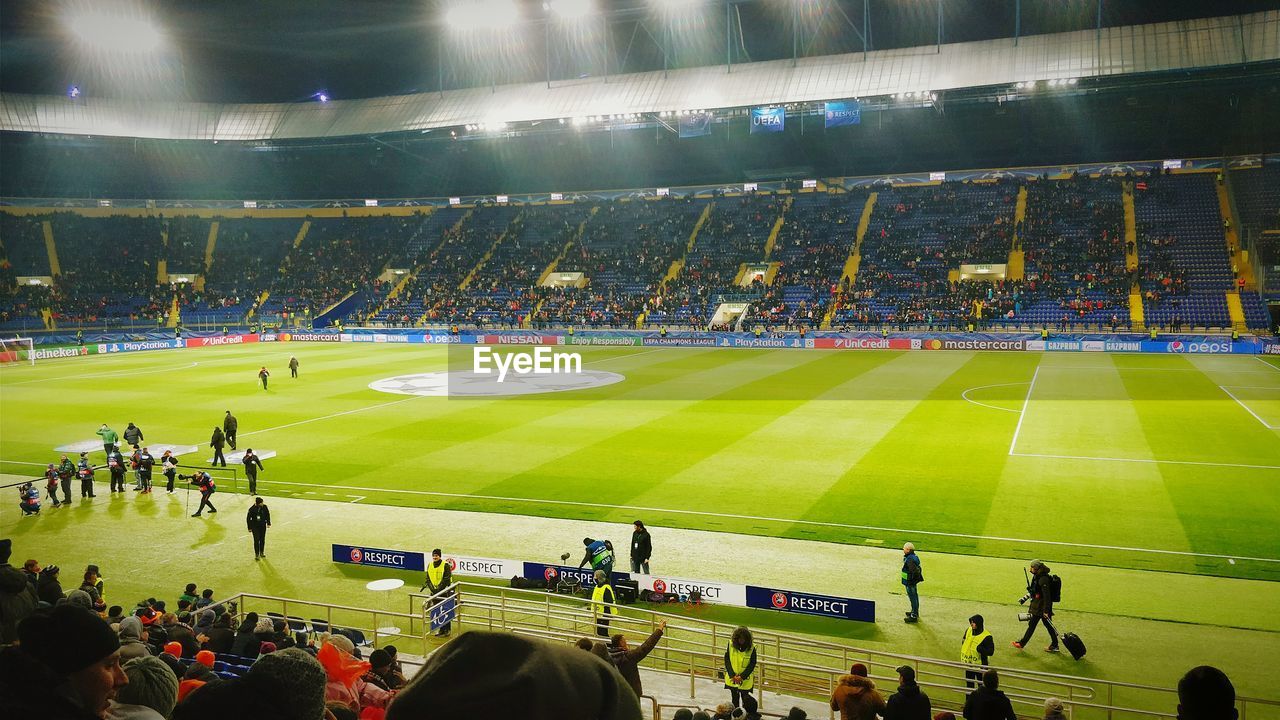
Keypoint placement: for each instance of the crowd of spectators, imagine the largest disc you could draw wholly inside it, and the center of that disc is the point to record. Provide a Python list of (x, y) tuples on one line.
[(186, 237)]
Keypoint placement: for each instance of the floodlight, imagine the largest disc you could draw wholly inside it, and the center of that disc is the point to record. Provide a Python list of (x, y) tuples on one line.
[(73, 91), (322, 97), (113, 33), (1073, 81), (482, 14), (570, 9)]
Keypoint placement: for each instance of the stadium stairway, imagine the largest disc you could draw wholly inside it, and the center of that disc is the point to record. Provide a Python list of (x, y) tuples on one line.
[(673, 272), (466, 281), (855, 253), (1235, 311), (1016, 267), (1239, 261), (210, 244), (1130, 231), (51, 248), (1137, 318), (777, 227), (302, 234), (850, 271), (551, 266)]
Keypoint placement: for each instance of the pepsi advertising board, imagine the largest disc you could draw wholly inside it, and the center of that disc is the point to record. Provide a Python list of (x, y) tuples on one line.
[(378, 557), (810, 604)]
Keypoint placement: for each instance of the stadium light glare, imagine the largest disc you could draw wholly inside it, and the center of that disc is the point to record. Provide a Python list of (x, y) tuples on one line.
[(1073, 81), (482, 14), (570, 9), (322, 97), (115, 33), (73, 91)]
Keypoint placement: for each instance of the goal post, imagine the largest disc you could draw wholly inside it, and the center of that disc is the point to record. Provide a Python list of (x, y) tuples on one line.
[(17, 350)]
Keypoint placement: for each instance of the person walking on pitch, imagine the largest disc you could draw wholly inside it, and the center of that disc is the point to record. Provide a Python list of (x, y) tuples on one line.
[(204, 481), (51, 477), (66, 471), (229, 427), (169, 466), (263, 375), (217, 442), (252, 464), (293, 366), (109, 438), (259, 519)]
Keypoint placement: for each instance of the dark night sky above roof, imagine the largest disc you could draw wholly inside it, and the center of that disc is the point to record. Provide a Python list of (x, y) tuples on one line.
[(287, 50)]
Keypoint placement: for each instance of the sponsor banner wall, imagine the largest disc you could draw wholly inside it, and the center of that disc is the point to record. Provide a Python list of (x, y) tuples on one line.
[(57, 352), (521, 338), (379, 557), (602, 340), (810, 604), (1221, 346), (484, 567), (712, 592), (222, 340), (310, 337), (649, 341), (553, 573)]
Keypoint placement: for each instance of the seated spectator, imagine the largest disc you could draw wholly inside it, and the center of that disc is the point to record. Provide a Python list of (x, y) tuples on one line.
[(189, 594), (132, 639), (245, 644), (382, 673), (490, 675), (79, 598), (17, 597), (856, 696), (151, 693), (1206, 693), (67, 666), (909, 703), (49, 589), (1053, 709), (988, 702), (219, 637), (179, 632), (683, 714), (346, 676), (115, 614)]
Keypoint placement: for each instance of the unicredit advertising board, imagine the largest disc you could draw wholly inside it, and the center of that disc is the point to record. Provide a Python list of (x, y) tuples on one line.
[(379, 557)]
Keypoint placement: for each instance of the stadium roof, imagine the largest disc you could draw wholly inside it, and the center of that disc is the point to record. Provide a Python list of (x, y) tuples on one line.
[(1107, 52)]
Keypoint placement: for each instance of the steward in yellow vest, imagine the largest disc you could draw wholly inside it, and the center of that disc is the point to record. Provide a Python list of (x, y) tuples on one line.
[(439, 577), (739, 669), (602, 603), (976, 649)]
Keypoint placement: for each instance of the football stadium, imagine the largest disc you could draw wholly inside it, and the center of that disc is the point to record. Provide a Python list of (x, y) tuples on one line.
[(897, 359)]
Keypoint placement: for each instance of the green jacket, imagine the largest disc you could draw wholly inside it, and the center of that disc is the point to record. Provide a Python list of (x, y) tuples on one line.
[(109, 436)]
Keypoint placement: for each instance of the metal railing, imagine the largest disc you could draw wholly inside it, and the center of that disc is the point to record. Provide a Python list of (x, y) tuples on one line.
[(803, 666)]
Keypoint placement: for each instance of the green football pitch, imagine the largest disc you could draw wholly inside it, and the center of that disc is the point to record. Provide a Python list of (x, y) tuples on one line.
[(1168, 462)]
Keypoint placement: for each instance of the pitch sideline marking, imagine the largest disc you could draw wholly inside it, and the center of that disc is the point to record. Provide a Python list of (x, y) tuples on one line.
[(1022, 415), (1144, 460), (111, 373), (1264, 362), (965, 395), (818, 523), (1247, 409)]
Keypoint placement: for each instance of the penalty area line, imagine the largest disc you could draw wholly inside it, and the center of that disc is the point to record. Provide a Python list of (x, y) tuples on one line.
[(1031, 386), (1144, 460), (815, 523), (1247, 409)]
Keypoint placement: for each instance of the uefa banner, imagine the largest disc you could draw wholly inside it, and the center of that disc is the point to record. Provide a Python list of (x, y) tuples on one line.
[(695, 125), (845, 112), (768, 119), (378, 557), (809, 604)]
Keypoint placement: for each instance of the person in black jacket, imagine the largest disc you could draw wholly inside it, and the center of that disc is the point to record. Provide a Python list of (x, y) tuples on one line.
[(229, 427), (145, 463), (1040, 594), (988, 702), (909, 703), (217, 442), (641, 548), (976, 648), (259, 519), (252, 464)]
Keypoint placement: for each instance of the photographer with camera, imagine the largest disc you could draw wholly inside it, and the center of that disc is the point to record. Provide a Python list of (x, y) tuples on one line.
[(204, 481), (1040, 591)]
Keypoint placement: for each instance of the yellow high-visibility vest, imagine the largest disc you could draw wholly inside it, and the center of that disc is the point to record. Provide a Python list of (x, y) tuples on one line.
[(435, 573), (597, 598), (738, 660), (969, 646)]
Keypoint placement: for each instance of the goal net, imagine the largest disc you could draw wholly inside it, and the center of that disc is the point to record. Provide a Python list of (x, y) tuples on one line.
[(17, 350)]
